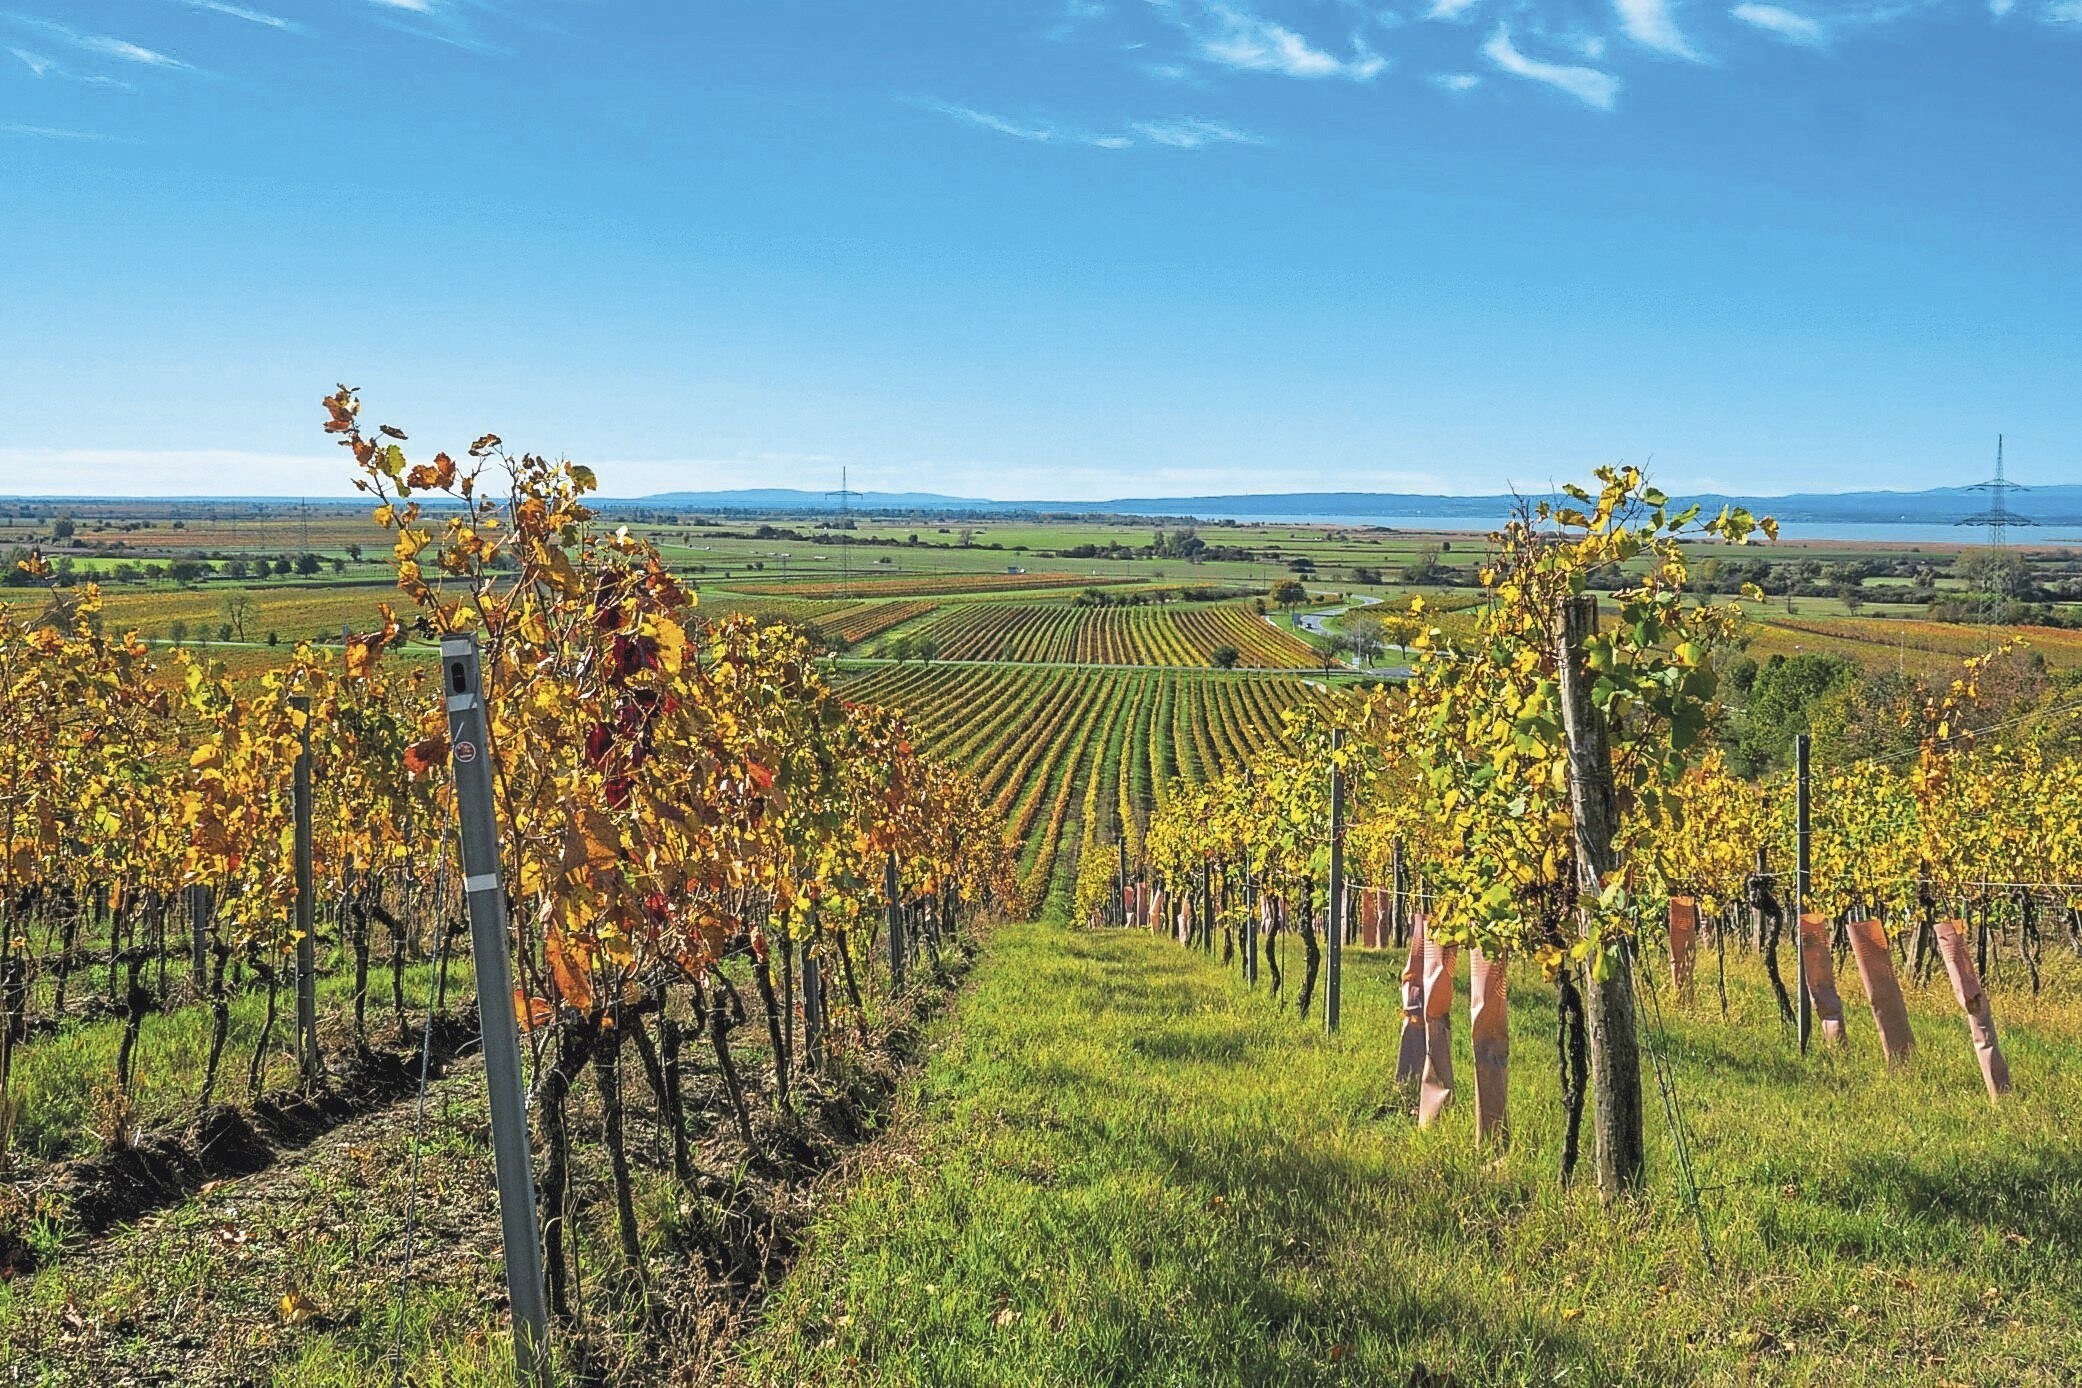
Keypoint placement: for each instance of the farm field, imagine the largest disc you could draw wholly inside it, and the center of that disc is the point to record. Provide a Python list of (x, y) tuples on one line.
[(1921, 647), (1073, 759), (1122, 1166), (1164, 635)]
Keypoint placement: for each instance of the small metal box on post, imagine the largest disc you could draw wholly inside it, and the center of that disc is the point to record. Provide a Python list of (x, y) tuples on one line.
[(470, 757)]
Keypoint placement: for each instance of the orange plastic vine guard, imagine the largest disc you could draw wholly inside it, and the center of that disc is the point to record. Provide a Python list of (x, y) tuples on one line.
[(1409, 1062), (1821, 975), (1489, 1026), (1882, 989), (1684, 936), (1372, 911), (1973, 1000), (1437, 1089)]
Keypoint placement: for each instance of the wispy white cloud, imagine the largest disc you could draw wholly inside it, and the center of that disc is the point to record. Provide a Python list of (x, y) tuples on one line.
[(1252, 43), (1039, 134), (1650, 24), (37, 64), (269, 21), (1191, 133), (416, 6), (51, 132), (127, 51), (1456, 81), (1775, 19), (1229, 35), (102, 45), (1586, 84), (1177, 132), (2064, 12), (1449, 9)]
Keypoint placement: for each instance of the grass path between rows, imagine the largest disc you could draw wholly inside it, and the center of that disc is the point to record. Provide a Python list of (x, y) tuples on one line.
[(1121, 1167)]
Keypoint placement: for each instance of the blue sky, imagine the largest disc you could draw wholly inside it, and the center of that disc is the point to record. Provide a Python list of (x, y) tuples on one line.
[(1074, 248)]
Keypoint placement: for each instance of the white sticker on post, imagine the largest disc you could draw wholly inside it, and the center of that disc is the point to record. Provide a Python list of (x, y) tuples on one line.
[(482, 882)]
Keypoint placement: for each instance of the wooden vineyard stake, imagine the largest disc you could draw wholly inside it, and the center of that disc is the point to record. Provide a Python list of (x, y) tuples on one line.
[(1819, 973), (1882, 989), (1436, 1091), (1954, 948), (1489, 1030), (1615, 1048)]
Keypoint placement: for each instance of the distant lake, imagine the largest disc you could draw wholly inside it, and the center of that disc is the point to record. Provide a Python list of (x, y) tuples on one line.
[(1870, 532)]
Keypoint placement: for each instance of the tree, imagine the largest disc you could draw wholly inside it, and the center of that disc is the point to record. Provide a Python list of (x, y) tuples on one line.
[(1289, 593), (237, 608), (186, 571), (354, 551), (63, 528), (1225, 657), (177, 630), (1995, 573), (1781, 698), (1367, 636), (1424, 567), (307, 564)]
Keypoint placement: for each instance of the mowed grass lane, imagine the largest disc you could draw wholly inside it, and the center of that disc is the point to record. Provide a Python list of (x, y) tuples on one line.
[(1121, 1167)]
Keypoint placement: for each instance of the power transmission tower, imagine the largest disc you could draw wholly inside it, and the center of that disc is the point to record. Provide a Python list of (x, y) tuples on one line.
[(1997, 520), (844, 493)]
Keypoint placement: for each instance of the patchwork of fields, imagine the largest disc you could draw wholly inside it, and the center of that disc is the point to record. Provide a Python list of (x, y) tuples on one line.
[(908, 585)]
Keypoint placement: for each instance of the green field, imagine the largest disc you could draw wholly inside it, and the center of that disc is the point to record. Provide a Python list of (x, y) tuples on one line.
[(1121, 1167)]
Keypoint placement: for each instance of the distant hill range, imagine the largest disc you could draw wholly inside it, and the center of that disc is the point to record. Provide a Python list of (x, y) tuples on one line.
[(2052, 505)]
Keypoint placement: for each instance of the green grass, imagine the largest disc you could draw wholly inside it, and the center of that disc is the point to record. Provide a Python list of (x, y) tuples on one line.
[(1121, 1167), (59, 1086)]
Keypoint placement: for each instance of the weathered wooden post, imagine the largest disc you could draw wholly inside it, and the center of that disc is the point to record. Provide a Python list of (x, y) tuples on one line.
[(1615, 1051)]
